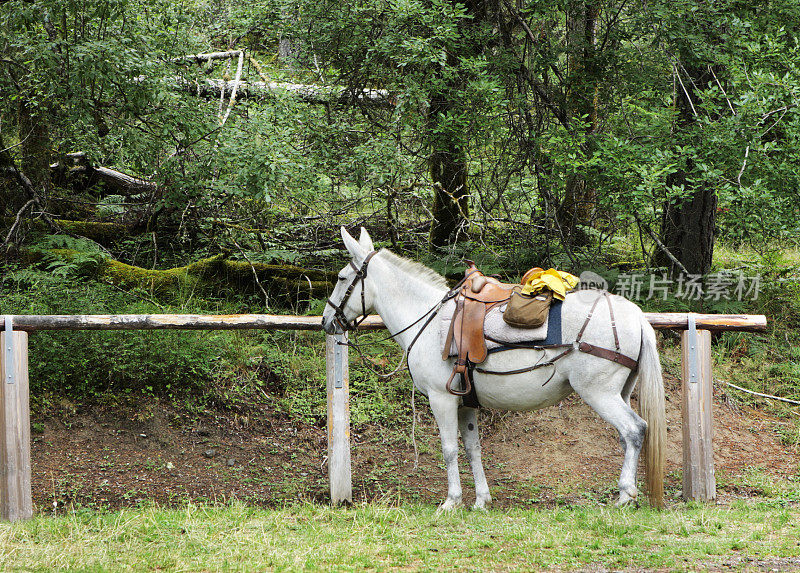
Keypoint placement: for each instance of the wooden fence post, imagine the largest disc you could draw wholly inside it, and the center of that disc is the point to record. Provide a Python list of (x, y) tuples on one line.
[(338, 379), (699, 483), (15, 428)]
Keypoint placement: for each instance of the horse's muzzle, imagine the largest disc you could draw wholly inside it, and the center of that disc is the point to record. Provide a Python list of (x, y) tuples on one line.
[(330, 325)]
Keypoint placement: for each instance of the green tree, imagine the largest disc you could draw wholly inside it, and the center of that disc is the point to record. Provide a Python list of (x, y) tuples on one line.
[(720, 108), (94, 77)]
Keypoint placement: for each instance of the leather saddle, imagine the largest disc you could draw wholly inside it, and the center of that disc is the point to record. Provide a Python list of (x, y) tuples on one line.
[(477, 296)]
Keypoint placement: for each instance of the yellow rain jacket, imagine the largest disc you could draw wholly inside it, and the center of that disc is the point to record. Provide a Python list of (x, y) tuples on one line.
[(537, 280)]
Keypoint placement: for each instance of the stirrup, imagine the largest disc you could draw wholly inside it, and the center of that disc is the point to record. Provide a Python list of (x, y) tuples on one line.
[(467, 384)]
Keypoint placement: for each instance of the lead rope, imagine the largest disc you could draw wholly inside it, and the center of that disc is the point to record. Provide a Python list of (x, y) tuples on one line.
[(361, 275), (404, 360), (414, 424), (430, 314)]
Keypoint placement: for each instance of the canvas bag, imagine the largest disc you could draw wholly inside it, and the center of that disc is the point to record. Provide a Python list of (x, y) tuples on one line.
[(527, 311)]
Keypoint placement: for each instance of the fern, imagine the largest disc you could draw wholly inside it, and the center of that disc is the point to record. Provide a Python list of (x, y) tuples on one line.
[(79, 244), (67, 257), (112, 205)]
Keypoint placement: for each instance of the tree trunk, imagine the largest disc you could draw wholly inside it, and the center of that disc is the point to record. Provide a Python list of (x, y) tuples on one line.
[(448, 168), (580, 194), (288, 46), (448, 159), (687, 228), (34, 136)]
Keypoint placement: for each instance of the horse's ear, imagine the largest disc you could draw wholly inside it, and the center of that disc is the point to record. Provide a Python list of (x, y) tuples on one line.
[(351, 244), (365, 241)]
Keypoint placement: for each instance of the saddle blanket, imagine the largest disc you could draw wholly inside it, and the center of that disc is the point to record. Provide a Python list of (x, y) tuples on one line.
[(496, 328)]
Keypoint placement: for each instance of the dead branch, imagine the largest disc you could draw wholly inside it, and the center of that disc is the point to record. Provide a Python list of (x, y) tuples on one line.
[(255, 272), (661, 245), (236, 82), (257, 67), (121, 183), (16, 222), (719, 84), (685, 91), (744, 164), (27, 186)]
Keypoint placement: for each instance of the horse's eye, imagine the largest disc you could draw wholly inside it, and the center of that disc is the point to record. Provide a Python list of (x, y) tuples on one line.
[(342, 278)]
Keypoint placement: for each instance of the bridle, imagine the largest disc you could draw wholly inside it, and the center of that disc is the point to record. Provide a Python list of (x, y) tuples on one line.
[(361, 274), (338, 309)]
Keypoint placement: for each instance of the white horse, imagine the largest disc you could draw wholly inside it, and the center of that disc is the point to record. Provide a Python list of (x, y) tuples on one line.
[(401, 291)]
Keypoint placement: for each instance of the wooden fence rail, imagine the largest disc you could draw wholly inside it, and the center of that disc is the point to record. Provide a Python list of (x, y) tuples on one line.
[(15, 465), (33, 322)]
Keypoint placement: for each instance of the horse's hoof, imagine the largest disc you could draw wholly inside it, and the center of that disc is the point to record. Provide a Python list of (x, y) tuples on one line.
[(482, 504), (450, 504), (626, 500)]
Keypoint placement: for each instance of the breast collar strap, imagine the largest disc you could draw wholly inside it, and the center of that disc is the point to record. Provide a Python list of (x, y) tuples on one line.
[(361, 274)]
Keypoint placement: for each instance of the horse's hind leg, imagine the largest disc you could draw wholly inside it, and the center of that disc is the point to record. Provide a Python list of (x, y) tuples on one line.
[(630, 384), (444, 407), (468, 424), (613, 409)]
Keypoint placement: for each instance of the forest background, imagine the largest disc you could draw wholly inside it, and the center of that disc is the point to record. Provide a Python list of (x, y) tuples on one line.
[(647, 139)]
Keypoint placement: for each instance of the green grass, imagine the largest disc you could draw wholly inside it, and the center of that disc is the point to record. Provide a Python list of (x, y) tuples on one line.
[(379, 537)]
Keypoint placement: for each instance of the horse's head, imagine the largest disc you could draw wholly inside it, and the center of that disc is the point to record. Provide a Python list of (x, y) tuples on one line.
[(350, 298)]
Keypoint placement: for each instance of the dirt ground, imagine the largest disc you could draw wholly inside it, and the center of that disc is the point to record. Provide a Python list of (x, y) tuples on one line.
[(565, 454)]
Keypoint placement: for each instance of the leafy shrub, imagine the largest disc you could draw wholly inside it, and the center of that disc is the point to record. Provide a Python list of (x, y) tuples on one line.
[(226, 368), (293, 368), (83, 364)]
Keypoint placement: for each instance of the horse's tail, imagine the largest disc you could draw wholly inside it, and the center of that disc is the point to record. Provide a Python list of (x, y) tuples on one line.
[(651, 404)]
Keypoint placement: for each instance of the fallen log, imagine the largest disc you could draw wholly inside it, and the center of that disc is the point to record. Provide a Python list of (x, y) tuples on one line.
[(103, 233), (123, 183), (307, 93), (207, 57), (80, 174)]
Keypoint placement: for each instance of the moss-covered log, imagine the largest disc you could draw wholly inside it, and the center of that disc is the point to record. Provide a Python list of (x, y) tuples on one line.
[(103, 233), (219, 276), (288, 283)]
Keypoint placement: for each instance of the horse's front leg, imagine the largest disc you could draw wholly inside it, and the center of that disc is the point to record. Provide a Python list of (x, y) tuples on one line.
[(445, 410), (468, 424)]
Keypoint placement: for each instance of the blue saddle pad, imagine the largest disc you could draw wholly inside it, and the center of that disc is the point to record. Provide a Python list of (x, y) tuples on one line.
[(553, 324), (553, 332)]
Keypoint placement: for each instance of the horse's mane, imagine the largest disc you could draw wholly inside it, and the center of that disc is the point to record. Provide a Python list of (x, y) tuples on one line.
[(414, 268)]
